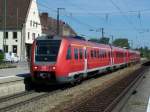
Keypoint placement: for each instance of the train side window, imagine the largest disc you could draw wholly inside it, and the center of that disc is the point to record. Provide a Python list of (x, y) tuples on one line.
[(92, 54), (76, 53), (80, 54), (103, 54), (100, 54), (95, 53), (68, 57)]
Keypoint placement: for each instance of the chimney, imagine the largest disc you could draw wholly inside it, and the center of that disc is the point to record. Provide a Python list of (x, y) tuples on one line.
[(44, 17)]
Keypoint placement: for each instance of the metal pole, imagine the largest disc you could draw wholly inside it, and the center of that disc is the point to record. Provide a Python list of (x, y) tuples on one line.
[(58, 23), (17, 18), (4, 22), (132, 43)]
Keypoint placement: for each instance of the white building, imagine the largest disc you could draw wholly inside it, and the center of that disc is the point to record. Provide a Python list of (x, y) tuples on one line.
[(22, 25)]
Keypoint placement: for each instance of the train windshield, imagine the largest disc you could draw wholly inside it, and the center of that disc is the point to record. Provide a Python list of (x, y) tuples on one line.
[(47, 50)]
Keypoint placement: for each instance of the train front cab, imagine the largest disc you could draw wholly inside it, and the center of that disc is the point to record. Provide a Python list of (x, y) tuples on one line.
[(44, 60)]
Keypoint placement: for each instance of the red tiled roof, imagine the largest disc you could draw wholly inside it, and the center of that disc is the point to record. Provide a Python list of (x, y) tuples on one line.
[(14, 8), (49, 25)]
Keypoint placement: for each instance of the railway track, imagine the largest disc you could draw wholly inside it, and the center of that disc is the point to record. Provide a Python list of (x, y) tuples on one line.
[(106, 100), (34, 101), (10, 103)]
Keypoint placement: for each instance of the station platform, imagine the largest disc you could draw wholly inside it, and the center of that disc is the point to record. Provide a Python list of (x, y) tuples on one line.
[(12, 80), (20, 70), (140, 100)]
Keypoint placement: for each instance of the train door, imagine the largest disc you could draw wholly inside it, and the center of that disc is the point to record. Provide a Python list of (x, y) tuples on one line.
[(85, 60), (112, 56)]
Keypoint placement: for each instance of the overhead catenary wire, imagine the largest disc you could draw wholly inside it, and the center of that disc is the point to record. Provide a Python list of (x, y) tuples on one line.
[(124, 16), (69, 15)]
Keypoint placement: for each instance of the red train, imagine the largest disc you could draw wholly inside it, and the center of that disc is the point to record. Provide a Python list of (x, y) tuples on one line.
[(68, 60)]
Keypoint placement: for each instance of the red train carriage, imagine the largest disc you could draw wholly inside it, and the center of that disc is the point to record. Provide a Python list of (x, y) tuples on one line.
[(134, 56), (69, 59), (119, 57)]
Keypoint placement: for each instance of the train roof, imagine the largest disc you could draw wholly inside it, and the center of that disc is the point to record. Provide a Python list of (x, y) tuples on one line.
[(86, 43), (82, 41)]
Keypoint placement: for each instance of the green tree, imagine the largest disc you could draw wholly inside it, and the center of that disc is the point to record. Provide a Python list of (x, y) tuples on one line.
[(121, 42), (104, 40), (1, 57), (145, 52)]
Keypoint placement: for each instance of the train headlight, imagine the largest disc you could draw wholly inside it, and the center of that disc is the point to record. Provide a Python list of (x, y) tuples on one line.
[(35, 67), (54, 68)]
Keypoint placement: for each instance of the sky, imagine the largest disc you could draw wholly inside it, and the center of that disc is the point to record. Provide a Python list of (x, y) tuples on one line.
[(119, 18)]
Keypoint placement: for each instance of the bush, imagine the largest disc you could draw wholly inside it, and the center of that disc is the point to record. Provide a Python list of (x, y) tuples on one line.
[(1, 57)]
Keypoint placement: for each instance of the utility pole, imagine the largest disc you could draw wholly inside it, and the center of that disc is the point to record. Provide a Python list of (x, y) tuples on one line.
[(58, 26), (102, 32), (4, 25), (131, 44)]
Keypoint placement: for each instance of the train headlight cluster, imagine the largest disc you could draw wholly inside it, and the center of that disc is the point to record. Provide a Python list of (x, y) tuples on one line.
[(35, 67), (54, 68)]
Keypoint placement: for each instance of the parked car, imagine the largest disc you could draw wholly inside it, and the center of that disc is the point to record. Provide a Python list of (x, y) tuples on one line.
[(11, 57)]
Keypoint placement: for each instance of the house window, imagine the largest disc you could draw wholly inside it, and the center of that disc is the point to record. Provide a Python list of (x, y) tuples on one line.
[(33, 36), (14, 48), (95, 53), (6, 48), (85, 54), (6, 35), (28, 35), (14, 35), (36, 24), (31, 23)]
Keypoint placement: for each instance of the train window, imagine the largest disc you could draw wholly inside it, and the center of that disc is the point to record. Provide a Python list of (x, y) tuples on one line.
[(80, 53), (103, 54), (92, 53), (95, 53), (100, 53), (68, 53), (106, 54), (76, 53), (47, 50)]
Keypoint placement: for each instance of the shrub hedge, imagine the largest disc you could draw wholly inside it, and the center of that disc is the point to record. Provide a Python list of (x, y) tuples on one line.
[(1, 57)]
